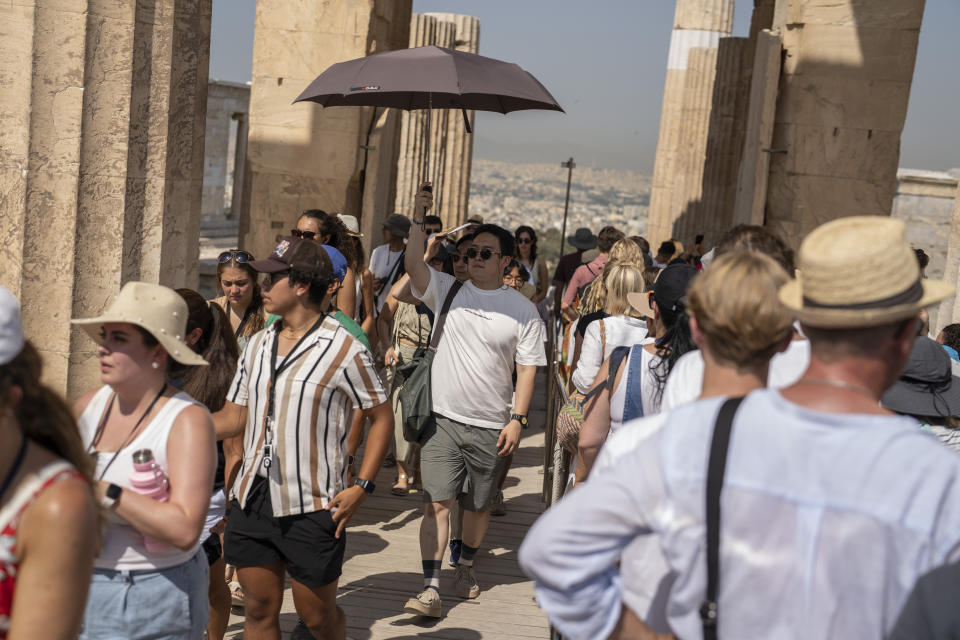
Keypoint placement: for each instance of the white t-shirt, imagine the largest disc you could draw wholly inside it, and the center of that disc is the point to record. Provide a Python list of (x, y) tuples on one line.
[(383, 262), (618, 331), (650, 364), (686, 378), (485, 333)]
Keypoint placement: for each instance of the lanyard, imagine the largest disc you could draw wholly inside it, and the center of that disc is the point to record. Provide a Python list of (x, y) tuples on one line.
[(275, 371), (103, 425), (243, 320)]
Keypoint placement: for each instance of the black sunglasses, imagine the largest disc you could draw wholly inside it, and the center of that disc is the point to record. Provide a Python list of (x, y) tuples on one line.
[(485, 254), (309, 235), (456, 257), (235, 254), (524, 240)]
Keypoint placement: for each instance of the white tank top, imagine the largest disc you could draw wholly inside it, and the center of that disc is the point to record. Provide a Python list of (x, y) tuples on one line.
[(123, 547)]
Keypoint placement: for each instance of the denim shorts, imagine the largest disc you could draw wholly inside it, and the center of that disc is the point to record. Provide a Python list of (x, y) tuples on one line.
[(165, 604)]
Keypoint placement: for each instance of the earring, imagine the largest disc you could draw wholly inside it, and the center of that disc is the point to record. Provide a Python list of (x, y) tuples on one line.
[(155, 365)]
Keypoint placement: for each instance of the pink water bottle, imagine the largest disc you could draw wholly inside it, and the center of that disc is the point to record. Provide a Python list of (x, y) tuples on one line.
[(148, 479)]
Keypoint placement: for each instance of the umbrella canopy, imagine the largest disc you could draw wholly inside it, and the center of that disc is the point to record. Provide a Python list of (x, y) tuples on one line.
[(429, 78)]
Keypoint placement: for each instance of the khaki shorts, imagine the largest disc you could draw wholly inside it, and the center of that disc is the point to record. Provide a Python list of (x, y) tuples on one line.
[(460, 461)]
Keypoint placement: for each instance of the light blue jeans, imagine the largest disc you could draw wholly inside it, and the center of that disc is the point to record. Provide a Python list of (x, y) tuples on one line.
[(167, 604)]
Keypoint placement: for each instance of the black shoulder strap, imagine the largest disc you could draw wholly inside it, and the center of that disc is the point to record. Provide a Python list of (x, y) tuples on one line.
[(616, 359), (715, 469), (442, 317)]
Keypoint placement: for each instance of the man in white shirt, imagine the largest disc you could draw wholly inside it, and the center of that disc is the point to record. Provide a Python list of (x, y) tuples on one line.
[(490, 328), (826, 518), (386, 261)]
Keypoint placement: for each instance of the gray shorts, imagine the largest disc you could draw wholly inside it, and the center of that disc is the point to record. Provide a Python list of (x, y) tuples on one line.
[(457, 460)]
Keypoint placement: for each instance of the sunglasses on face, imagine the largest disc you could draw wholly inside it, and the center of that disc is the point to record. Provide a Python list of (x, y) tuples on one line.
[(273, 278), (485, 254), (524, 241), (307, 235), (235, 254), (456, 257)]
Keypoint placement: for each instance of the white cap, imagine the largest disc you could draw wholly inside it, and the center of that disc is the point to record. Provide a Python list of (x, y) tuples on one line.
[(351, 223), (11, 331)]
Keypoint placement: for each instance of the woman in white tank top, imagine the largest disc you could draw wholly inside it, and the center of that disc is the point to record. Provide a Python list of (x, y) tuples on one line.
[(149, 579)]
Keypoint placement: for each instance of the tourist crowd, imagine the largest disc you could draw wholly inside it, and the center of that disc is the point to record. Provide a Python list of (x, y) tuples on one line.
[(755, 454)]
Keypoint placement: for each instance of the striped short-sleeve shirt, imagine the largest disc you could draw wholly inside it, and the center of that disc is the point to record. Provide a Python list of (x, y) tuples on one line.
[(330, 374)]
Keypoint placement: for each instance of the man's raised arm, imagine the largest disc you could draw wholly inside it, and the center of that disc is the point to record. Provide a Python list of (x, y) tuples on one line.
[(413, 258)]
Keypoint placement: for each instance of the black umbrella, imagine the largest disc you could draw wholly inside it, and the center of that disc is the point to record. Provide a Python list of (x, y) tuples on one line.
[(429, 78)]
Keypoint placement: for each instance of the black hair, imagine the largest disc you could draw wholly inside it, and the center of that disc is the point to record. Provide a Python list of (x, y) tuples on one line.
[(432, 220), (522, 271), (676, 341), (951, 336), (467, 237), (208, 384), (310, 265), (666, 251), (533, 237), (336, 232), (504, 237), (922, 258)]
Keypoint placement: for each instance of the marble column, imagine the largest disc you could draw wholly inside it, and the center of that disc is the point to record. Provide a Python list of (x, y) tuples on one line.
[(698, 24), (302, 156), (101, 160), (949, 310), (450, 146), (843, 94)]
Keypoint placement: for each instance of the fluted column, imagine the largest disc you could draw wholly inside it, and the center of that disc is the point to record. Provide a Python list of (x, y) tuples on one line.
[(698, 24), (102, 117)]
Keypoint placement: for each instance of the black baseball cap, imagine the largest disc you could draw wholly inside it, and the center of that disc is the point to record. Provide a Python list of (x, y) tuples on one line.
[(296, 253)]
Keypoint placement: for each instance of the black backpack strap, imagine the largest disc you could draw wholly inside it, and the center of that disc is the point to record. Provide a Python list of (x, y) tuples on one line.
[(616, 359), (442, 317), (715, 470)]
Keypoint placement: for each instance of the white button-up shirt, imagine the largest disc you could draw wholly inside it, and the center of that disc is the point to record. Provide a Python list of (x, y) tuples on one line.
[(827, 520)]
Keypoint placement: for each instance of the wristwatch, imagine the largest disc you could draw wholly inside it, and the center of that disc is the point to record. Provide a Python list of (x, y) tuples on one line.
[(111, 496), (365, 484), (524, 423)]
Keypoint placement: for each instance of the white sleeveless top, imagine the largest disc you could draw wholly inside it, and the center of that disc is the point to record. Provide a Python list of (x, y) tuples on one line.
[(122, 547), (647, 388)]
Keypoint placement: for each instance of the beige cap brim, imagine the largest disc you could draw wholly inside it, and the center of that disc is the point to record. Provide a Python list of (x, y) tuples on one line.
[(792, 297), (640, 300), (176, 349)]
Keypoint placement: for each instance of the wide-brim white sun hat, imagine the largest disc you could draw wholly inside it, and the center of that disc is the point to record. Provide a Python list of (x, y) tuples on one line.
[(157, 309), (859, 272)]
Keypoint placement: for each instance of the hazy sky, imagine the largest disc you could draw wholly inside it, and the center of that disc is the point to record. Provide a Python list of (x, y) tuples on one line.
[(605, 62)]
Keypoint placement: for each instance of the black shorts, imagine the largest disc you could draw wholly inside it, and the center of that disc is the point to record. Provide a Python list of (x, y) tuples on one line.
[(304, 543), (212, 548)]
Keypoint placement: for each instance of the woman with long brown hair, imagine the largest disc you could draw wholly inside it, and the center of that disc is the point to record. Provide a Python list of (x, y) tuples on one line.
[(48, 518), (242, 300), (209, 335), (321, 227)]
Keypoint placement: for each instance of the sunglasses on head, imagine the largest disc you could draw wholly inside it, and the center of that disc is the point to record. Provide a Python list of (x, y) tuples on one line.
[(235, 254), (307, 235), (485, 254), (524, 240)]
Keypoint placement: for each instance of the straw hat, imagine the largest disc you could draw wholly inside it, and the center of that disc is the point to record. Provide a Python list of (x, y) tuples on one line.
[(155, 308), (859, 272)]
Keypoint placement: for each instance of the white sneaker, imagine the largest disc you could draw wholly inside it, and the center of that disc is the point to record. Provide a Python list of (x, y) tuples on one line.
[(465, 583), (426, 603)]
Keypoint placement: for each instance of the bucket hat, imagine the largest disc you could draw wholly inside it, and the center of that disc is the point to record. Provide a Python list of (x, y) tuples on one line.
[(859, 272), (927, 387), (669, 290), (11, 329), (154, 308), (397, 224), (352, 225), (582, 239)]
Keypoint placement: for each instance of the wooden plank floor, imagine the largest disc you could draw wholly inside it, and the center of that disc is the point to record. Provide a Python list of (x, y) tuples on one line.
[(382, 568)]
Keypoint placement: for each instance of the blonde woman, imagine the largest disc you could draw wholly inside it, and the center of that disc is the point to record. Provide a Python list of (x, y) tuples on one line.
[(623, 325)]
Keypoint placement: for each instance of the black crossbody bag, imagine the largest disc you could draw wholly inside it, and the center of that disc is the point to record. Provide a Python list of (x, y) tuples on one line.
[(716, 466)]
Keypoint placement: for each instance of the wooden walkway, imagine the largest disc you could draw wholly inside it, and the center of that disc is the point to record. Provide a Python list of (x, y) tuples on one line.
[(382, 568)]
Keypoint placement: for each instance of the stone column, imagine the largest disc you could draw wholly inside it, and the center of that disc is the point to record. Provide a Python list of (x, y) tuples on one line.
[(101, 153), (842, 102), (450, 146), (302, 156), (697, 24)]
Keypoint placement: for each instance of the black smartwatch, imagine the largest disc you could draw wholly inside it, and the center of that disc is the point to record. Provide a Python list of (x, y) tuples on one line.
[(112, 495), (524, 423), (366, 485)]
